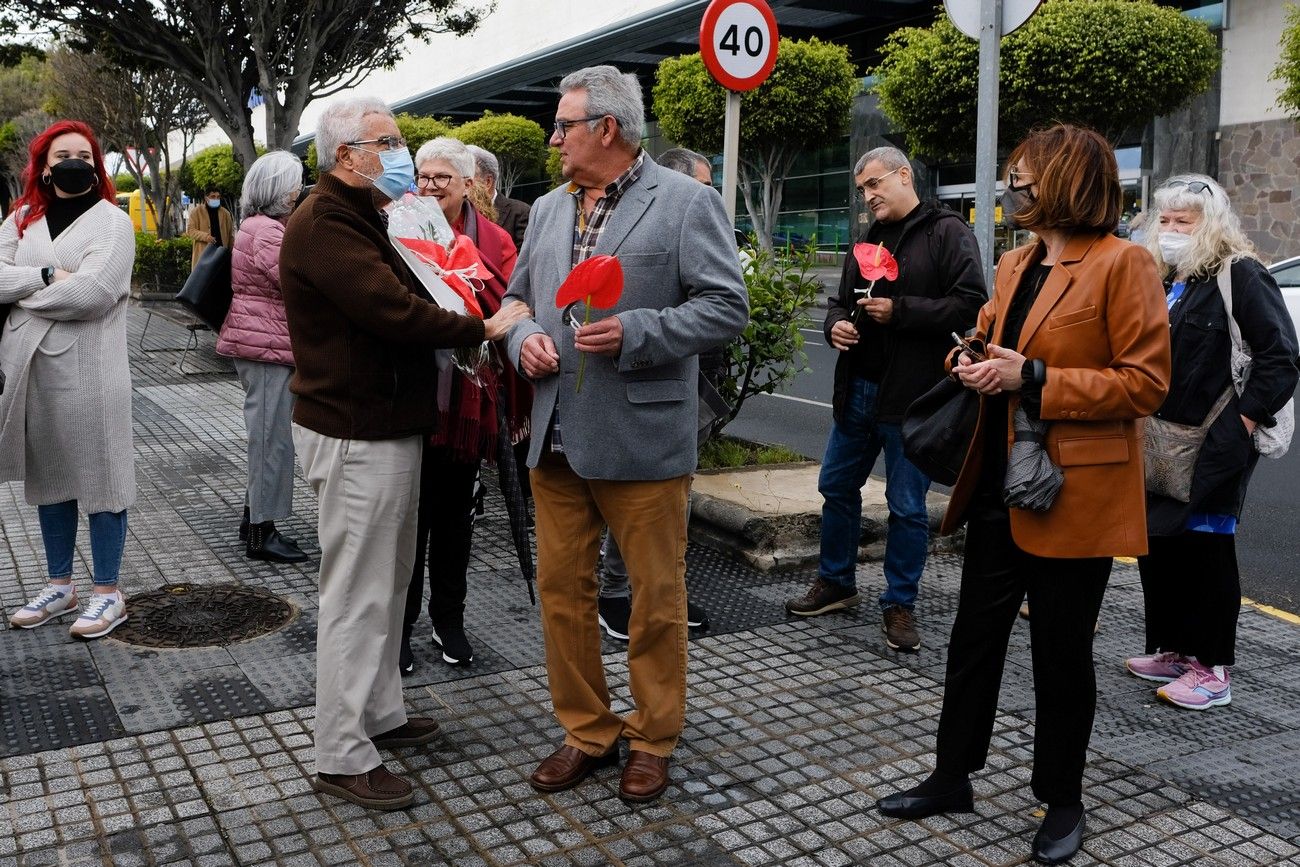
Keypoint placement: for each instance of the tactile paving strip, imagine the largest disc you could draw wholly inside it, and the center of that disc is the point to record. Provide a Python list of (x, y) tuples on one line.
[(38, 721)]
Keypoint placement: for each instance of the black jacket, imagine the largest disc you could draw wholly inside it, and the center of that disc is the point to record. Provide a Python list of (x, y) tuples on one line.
[(939, 290), (1201, 356)]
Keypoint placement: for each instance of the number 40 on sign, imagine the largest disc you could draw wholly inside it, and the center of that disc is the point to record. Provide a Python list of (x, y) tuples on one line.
[(738, 41)]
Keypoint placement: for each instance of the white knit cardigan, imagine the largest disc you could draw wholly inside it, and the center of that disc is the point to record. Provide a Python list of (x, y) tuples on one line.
[(65, 415)]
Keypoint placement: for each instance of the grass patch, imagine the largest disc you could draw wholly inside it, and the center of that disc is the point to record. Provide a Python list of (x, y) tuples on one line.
[(724, 452)]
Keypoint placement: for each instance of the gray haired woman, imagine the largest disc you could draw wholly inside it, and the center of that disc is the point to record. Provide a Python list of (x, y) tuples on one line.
[(256, 336)]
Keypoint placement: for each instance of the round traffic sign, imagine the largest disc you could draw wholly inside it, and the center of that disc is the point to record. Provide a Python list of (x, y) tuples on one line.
[(738, 41), (965, 14)]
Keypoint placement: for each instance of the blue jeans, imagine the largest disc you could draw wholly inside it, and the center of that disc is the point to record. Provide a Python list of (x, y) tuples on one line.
[(59, 532), (855, 443)]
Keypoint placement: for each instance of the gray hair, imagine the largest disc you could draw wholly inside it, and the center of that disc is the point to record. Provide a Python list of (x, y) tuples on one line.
[(613, 93), (446, 148), (485, 162), (344, 121), (888, 156), (1216, 241), (683, 160), (270, 180)]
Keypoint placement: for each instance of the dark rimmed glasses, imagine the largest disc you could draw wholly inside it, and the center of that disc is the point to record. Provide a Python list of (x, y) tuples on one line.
[(561, 128), (1015, 176), (437, 182)]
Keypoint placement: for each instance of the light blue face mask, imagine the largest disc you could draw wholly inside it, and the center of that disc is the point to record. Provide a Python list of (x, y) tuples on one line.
[(398, 173)]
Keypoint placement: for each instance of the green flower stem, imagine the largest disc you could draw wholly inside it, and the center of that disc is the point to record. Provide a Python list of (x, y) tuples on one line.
[(582, 362)]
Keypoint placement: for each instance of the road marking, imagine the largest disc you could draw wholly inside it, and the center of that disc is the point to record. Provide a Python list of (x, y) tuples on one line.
[(1271, 611), (812, 343), (800, 400), (812, 330)]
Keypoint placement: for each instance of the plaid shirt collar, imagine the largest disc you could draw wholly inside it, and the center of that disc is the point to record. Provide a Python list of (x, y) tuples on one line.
[(587, 230)]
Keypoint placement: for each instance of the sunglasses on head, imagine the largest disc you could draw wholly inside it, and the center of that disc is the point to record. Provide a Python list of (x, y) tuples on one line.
[(1192, 186)]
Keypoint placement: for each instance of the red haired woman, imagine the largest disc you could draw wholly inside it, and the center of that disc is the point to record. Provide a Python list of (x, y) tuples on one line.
[(66, 253)]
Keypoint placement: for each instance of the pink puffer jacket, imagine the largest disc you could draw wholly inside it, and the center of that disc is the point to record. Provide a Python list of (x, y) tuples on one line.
[(256, 328)]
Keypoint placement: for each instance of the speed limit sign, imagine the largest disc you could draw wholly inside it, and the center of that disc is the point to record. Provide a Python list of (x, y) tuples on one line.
[(738, 41)]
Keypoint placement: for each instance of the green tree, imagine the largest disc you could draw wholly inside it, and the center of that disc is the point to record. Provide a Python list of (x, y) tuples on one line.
[(24, 90), (1113, 65), (126, 183), (518, 143), (555, 166), (417, 129), (803, 104), (291, 53), (1287, 70), (216, 168), (769, 352)]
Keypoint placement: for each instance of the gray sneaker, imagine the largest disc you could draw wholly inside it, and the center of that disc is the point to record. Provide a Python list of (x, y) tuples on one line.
[(822, 597), (900, 629)]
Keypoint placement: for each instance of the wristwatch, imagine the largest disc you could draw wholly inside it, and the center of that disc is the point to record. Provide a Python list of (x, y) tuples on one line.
[(47, 274)]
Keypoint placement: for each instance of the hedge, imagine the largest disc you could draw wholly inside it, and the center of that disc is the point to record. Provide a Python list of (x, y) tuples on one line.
[(161, 265)]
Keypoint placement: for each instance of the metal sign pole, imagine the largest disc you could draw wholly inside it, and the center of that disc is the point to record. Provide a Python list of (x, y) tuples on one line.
[(730, 154), (986, 134)]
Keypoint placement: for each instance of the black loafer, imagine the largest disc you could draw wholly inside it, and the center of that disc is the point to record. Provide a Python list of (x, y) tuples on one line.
[(1048, 850), (905, 805)]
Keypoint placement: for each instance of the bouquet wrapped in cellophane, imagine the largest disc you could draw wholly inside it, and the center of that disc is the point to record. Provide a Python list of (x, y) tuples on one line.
[(447, 266)]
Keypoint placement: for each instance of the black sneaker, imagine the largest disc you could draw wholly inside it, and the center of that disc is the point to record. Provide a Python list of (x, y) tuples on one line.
[(822, 597), (615, 611), (405, 658), (900, 628), (451, 640), (696, 617)]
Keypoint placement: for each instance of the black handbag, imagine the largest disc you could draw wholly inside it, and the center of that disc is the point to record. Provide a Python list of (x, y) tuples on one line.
[(207, 290), (938, 428), (4, 319)]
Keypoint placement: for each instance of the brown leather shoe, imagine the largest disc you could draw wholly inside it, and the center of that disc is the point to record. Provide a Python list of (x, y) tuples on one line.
[(645, 777), (376, 789), (415, 731), (568, 766)]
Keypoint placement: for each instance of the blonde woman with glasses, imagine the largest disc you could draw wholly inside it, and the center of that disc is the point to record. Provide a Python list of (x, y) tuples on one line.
[(1189, 577)]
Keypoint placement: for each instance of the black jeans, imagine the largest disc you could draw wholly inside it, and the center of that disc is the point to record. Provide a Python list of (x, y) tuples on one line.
[(445, 530), (1192, 595), (1064, 599)]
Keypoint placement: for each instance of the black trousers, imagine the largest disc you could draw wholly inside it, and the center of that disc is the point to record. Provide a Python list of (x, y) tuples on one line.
[(1064, 599), (445, 534), (1192, 595)]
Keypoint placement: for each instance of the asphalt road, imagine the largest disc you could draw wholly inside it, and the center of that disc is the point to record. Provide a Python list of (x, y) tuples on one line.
[(1268, 538)]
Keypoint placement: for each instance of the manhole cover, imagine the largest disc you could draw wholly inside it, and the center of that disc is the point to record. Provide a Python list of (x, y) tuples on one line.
[(199, 615)]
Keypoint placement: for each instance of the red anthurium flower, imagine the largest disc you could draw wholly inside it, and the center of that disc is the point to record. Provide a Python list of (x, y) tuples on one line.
[(598, 281), (875, 262)]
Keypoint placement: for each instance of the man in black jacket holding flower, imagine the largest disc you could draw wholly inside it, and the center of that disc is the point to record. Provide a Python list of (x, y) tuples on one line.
[(892, 335)]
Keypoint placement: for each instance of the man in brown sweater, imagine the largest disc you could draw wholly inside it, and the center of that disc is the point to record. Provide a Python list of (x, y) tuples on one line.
[(363, 332)]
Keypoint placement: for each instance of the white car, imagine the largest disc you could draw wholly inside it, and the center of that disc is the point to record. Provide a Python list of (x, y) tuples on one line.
[(1287, 275)]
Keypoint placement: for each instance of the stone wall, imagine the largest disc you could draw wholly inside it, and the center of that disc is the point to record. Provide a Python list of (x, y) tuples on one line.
[(1259, 166)]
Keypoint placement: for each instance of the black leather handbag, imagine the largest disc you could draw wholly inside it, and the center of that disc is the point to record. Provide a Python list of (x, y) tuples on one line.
[(938, 428), (207, 290)]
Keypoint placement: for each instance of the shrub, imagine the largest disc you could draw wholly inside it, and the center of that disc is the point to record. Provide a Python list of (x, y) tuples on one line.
[(723, 452), (161, 265)]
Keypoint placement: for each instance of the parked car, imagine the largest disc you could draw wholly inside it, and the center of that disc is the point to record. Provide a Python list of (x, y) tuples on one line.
[(1287, 275)]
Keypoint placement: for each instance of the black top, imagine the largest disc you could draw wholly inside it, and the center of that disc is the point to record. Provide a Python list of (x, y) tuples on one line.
[(939, 290), (994, 469), (869, 357), (214, 220), (62, 213)]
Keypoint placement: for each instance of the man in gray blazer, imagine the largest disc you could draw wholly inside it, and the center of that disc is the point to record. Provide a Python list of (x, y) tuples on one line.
[(620, 450)]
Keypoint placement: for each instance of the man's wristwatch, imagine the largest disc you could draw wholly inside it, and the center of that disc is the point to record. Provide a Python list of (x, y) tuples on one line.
[(47, 274)]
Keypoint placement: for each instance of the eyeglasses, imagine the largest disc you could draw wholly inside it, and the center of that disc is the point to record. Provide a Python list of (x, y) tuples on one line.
[(562, 126), (872, 183), (1014, 177), (438, 182), (391, 142), (1192, 186)]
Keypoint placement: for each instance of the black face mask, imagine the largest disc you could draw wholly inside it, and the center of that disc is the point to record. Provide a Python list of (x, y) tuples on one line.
[(74, 177), (1014, 200)]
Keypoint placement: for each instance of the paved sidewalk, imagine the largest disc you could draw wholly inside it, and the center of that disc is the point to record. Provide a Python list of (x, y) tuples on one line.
[(122, 755)]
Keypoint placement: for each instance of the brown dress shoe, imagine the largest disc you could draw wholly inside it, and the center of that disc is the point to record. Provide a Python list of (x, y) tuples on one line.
[(376, 789), (645, 777), (568, 766), (415, 731)]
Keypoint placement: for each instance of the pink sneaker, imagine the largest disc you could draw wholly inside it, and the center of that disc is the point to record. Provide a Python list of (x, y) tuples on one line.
[(1160, 667), (1199, 688)]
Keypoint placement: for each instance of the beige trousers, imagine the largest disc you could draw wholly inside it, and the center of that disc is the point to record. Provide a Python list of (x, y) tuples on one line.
[(649, 520), (369, 491)]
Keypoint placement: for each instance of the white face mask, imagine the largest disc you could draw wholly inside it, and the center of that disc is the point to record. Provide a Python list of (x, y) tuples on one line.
[(1174, 247)]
